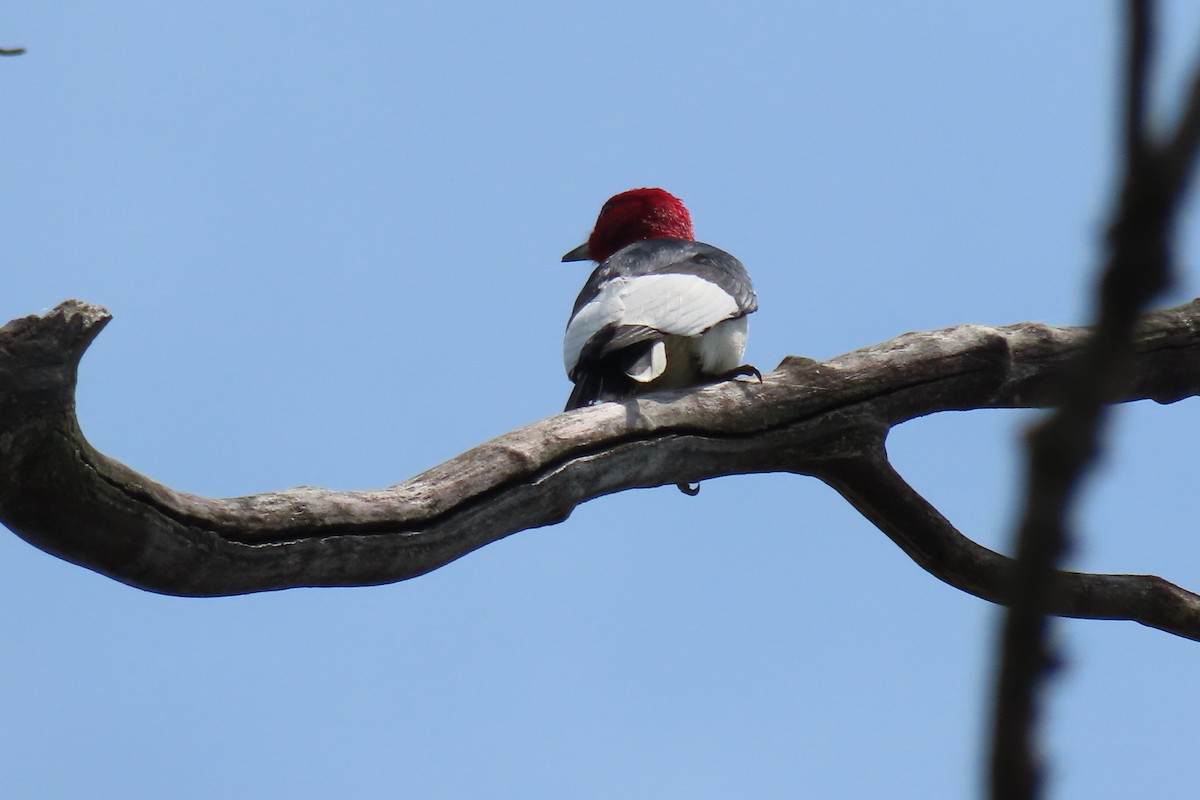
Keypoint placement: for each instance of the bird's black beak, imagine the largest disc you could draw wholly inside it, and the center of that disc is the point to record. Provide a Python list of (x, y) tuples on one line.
[(578, 254)]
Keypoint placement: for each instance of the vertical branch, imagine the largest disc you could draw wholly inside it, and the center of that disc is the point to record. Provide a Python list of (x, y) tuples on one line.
[(1061, 448), (1140, 43)]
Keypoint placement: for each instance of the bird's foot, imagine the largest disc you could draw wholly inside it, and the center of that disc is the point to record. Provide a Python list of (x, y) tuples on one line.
[(688, 489)]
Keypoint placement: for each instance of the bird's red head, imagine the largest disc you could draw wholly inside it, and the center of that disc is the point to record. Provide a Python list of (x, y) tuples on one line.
[(631, 217)]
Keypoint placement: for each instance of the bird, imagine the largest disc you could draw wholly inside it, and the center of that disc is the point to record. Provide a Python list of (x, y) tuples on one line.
[(660, 310)]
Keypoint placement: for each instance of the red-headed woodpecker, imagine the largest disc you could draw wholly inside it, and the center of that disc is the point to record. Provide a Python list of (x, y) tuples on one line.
[(661, 311)]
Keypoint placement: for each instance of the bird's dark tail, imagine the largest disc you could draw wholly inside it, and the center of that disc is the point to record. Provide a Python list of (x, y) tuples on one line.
[(588, 388), (611, 378)]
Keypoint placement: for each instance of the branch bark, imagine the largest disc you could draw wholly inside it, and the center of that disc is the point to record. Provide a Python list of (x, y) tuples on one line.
[(827, 420)]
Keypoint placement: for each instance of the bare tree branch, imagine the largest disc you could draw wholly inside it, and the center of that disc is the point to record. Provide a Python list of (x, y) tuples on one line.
[(869, 482), (1179, 153), (821, 419), (1062, 447)]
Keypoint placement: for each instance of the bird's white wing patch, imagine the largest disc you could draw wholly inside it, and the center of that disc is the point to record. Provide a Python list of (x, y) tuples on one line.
[(601, 311), (653, 366), (684, 305)]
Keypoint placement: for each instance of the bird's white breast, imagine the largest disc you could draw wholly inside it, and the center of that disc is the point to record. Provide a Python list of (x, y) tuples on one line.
[(721, 348)]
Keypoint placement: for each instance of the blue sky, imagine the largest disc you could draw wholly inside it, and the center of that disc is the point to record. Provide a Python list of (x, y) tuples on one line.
[(329, 234)]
